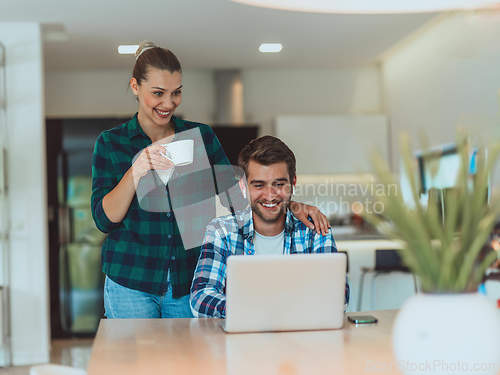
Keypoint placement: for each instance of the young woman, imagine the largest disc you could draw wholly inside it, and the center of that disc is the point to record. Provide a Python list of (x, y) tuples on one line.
[(148, 269)]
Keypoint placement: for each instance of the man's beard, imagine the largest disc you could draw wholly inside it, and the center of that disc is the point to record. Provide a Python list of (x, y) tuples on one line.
[(270, 219)]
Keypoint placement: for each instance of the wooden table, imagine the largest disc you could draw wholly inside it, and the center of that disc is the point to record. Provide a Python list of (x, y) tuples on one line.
[(199, 346)]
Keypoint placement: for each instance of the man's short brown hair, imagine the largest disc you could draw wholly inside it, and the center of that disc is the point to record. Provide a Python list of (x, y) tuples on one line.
[(267, 150)]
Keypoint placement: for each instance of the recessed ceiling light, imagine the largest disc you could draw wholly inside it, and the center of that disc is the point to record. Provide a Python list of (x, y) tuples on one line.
[(127, 49), (54, 32), (270, 47), (370, 6)]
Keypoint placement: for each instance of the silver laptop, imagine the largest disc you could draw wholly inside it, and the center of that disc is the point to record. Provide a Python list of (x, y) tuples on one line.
[(285, 292)]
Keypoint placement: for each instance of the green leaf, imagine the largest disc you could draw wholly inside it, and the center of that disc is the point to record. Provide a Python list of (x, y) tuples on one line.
[(442, 251)]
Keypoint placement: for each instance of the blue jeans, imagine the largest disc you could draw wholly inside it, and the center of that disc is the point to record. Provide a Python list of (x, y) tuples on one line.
[(123, 303)]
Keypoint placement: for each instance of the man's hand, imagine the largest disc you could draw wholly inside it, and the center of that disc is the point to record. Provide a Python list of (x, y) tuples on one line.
[(302, 211)]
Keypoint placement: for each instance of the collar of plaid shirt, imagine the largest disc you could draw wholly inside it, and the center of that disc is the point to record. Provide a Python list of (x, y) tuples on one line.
[(135, 130)]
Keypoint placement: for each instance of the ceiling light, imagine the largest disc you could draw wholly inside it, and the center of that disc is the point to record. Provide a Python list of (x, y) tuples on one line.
[(371, 6), (127, 49), (54, 32), (270, 47)]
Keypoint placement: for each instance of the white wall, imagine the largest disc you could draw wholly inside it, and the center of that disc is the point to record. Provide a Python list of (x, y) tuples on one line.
[(269, 93), (27, 193), (105, 93), (333, 144), (448, 76)]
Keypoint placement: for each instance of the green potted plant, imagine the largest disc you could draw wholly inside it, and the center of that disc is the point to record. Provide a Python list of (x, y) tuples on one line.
[(449, 327)]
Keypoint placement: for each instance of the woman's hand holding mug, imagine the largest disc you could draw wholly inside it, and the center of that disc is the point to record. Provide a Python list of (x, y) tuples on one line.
[(151, 157)]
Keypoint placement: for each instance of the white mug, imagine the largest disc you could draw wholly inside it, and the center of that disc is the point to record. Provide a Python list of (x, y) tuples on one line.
[(179, 152)]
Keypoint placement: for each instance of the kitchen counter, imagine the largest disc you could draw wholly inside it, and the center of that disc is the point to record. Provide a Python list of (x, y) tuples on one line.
[(351, 233)]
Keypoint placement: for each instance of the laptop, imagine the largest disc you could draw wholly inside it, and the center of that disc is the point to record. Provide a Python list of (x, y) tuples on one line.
[(285, 292)]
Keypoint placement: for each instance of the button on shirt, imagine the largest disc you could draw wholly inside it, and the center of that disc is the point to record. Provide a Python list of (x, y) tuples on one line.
[(139, 251), (234, 235)]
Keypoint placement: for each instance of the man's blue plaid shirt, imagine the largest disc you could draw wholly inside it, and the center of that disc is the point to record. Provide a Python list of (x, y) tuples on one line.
[(233, 235)]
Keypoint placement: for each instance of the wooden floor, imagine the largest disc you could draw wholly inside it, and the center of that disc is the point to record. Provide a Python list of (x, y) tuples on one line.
[(70, 352)]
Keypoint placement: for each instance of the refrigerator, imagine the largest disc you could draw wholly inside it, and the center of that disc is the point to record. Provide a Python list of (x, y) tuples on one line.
[(76, 279)]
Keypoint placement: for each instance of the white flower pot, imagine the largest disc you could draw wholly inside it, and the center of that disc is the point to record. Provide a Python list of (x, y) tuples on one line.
[(448, 334)]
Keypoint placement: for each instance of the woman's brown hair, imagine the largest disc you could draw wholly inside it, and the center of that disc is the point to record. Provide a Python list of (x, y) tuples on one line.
[(149, 55)]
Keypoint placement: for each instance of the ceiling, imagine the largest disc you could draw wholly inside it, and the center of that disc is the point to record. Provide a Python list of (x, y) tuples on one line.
[(215, 34)]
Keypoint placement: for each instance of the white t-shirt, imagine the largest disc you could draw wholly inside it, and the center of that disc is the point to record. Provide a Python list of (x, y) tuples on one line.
[(269, 245)]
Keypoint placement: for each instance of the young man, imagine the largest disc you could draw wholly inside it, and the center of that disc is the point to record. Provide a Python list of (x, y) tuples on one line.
[(266, 227)]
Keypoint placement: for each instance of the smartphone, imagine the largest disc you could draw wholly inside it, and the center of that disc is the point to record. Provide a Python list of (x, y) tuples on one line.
[(362, 319)]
